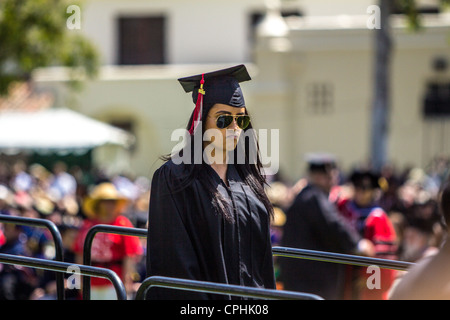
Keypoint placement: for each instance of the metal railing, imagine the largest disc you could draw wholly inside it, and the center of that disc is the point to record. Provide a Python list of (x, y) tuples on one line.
[(127, 231), (63, 267), (59, 251), (340, 258), (200, 285), (181, 284), (175, 283), (277, 251), (220, 288)]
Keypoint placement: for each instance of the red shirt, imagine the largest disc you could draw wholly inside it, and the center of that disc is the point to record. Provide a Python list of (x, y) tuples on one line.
[(2, 238), (374, 225), (108, 250)]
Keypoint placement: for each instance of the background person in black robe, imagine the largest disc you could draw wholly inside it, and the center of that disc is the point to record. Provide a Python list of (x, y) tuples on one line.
[(313, 222), (210, 221)]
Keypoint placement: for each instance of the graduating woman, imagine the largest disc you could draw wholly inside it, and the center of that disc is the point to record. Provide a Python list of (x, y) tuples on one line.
[(209, 216)]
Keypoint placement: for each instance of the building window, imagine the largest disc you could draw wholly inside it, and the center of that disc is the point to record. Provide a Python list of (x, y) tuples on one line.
[(319, 97), (437, 99), (127, 125), (141, 40)]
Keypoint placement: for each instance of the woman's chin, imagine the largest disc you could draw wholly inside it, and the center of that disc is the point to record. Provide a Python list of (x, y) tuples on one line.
[(231, 145)]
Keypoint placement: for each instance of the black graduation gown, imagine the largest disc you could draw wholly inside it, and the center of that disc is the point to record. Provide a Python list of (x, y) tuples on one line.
[(188, 239), (313, 222)]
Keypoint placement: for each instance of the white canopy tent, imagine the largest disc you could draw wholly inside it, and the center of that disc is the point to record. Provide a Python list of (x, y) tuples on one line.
[(56, 130)]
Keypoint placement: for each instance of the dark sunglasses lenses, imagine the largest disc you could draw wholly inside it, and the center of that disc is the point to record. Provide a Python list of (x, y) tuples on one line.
[(225, 120), (243, 121)]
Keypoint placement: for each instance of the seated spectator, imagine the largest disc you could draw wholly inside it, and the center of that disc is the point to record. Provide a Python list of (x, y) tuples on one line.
[(16, 282), (417, 240), (429, 278), (116, 252)]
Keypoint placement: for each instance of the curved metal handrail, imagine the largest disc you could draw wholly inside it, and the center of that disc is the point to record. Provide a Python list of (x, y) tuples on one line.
[(340, 258), (63, 267), (277, 251), (128, 231), (220, 288)]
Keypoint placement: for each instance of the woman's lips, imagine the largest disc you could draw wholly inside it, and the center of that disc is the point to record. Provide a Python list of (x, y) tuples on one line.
[(234, 134)]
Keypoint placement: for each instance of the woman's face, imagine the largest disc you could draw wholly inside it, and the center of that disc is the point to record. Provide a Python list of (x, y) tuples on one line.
[(364, 195), (107, 209), (227, 138)]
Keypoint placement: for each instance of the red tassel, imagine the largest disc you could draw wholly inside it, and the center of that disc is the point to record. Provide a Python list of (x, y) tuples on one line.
[(197, 117)]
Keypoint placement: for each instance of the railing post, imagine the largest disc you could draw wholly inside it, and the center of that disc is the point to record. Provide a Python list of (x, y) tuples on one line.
[(128, 231)]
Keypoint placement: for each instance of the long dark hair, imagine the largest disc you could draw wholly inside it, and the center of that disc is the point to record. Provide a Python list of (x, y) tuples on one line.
[(250, 170)]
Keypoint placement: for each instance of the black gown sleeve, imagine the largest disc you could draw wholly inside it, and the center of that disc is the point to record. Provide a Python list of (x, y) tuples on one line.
[(170, 251)]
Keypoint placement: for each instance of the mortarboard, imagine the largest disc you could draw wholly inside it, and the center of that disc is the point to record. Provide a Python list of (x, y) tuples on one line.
[(320, 162), (221, 86), (365, 179)]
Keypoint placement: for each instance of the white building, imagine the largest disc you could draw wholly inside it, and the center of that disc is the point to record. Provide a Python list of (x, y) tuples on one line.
[(312, 74)]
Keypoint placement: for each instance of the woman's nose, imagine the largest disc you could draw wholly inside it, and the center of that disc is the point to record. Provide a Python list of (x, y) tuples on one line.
[(233, 125)]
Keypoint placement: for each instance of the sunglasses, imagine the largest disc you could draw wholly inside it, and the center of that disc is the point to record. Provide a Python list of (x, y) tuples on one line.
[(223, 121)]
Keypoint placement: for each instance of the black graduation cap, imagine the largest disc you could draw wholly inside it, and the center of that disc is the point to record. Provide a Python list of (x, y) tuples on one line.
[(239, 73), (320, 162), (365, 179), (221, 86)]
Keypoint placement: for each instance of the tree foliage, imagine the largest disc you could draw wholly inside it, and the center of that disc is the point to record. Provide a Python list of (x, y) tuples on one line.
[(409, 7), (34, 34)]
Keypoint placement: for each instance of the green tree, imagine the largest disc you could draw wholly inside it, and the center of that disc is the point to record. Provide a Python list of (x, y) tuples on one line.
[(34, 34)]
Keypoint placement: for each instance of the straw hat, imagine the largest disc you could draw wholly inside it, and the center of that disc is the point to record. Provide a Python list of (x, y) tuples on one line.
[(279, 217), (43, 204), (103, 191)]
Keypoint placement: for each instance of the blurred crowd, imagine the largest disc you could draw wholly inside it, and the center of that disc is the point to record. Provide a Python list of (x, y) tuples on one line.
[(58, 194), (409, 197)]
